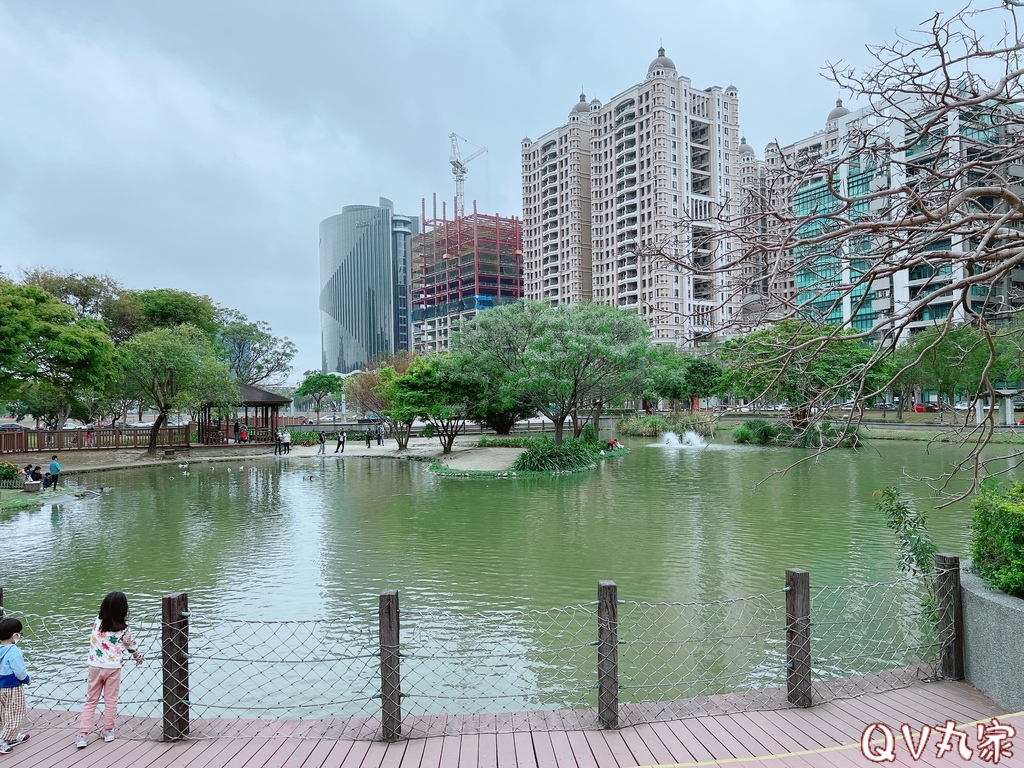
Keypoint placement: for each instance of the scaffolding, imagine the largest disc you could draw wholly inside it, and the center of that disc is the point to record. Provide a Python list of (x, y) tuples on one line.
[(460, 267)]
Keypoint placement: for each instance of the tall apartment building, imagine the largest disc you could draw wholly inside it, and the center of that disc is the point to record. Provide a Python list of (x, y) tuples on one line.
[(826, 284), (461, 266), (364, 284), (617, 196)]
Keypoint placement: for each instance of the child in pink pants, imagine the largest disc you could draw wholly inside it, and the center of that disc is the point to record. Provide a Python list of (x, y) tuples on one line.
[(109, 641)]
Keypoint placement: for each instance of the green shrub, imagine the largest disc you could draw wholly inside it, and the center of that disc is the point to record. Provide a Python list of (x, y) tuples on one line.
[(643, 426), (542, 455), (427, 431), (589, 435), (757, 432), (997, 545), (8, 471), (824, 435), (505, 442), (762, 432), (305, 437), (916, 549)]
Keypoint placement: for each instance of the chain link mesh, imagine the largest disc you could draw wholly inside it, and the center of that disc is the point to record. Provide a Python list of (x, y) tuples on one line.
[(873, 637), (497, 671)]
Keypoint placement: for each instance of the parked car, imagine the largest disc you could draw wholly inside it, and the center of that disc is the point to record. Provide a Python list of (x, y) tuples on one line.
[(924, 408), (11, 425), (141, 425)]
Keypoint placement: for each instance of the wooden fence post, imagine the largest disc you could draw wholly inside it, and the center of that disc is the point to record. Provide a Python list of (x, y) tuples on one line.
[(174, 645), (950, 614), (390, 671), (798, 637), (607, 654)]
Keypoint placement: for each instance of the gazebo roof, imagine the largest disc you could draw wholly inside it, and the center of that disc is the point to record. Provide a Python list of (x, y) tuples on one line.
[(256, 396)]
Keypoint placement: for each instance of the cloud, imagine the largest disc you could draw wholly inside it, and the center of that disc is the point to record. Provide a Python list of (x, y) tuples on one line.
[(197, 145)]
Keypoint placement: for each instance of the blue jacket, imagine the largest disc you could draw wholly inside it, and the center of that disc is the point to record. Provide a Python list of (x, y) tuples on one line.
[(12, 667), (54, 468)]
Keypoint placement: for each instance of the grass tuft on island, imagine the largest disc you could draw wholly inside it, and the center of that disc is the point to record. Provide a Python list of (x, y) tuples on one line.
[(541, 457)]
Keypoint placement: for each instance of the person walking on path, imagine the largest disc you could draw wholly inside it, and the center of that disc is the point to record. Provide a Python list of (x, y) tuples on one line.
[(286, 442), (380, 434), (54, 470), (322, 440), (13, 676), (340, 447), (88, 438), (369, 436), (277, 443), (109, 642)]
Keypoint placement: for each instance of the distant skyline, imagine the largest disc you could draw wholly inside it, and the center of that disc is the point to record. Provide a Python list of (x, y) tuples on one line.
[(198, 145)]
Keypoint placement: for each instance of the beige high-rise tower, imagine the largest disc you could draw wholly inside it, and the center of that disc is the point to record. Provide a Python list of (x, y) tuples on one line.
[(621, 197)]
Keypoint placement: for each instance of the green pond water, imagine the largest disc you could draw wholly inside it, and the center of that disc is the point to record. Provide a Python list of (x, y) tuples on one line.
[(313, 538), (297, 539)]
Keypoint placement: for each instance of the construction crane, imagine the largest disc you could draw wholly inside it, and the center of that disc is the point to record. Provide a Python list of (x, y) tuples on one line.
[(459, 172)]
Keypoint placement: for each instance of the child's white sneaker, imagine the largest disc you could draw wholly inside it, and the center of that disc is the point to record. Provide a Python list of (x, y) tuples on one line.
[(81, 741), (4, 747), (21, 737), (109, 736)]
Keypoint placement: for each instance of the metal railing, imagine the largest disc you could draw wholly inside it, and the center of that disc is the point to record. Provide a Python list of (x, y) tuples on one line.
[(598, 665)]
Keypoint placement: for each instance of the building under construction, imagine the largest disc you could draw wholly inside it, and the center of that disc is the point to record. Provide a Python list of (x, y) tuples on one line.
[(459, 268)]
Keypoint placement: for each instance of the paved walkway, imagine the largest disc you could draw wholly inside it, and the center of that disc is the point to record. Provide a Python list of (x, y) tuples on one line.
[(825, 735), (465, 455)]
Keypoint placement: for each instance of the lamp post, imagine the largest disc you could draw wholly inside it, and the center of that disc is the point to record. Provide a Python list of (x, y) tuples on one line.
[(940, 401)]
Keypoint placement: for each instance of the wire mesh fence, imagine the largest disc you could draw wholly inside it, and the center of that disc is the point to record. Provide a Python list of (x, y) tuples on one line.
[(495, 671)]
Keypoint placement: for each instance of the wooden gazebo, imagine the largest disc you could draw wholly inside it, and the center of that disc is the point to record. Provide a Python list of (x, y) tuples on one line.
[(260, 422)]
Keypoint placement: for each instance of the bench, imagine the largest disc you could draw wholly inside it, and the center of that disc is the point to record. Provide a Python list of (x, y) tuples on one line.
[(33, 486), (169, 454)]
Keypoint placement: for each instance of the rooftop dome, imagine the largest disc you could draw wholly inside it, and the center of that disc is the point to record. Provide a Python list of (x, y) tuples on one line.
[(662, 62), (744, 148), (838, 112), (581, 105)]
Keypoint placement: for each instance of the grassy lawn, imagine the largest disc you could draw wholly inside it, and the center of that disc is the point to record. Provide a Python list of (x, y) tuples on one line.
[(15, 500)]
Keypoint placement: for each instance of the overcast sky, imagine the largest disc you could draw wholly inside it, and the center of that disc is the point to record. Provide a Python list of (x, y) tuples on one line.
[(197, 145)]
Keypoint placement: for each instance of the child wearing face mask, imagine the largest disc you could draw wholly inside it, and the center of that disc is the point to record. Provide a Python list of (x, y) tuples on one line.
[(13, 676)]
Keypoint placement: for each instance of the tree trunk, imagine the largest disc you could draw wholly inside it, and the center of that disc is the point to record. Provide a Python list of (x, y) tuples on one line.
[(596, 417), (154, 431), (799, 420), (400, 430), (559, 426)]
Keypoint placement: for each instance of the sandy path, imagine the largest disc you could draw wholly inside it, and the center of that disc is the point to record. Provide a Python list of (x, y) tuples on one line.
[(465, 455)]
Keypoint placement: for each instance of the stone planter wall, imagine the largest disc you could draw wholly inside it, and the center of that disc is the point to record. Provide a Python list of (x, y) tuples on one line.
[(993, 638)]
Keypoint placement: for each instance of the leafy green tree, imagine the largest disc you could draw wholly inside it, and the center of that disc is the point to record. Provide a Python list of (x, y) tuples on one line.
[(680, 377), (365, 393), (175, 369), (42, 342), (317, 386), (493, 403), (86, 294), (561, 359), (436, 389), (795, 362), (952, 360), (168, 308), (255, 354)]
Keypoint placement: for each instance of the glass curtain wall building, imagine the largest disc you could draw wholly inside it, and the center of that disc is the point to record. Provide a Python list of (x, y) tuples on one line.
[(364, 284)]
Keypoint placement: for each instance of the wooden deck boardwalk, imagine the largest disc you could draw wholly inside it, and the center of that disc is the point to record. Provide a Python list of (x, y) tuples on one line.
[(824, 735)]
